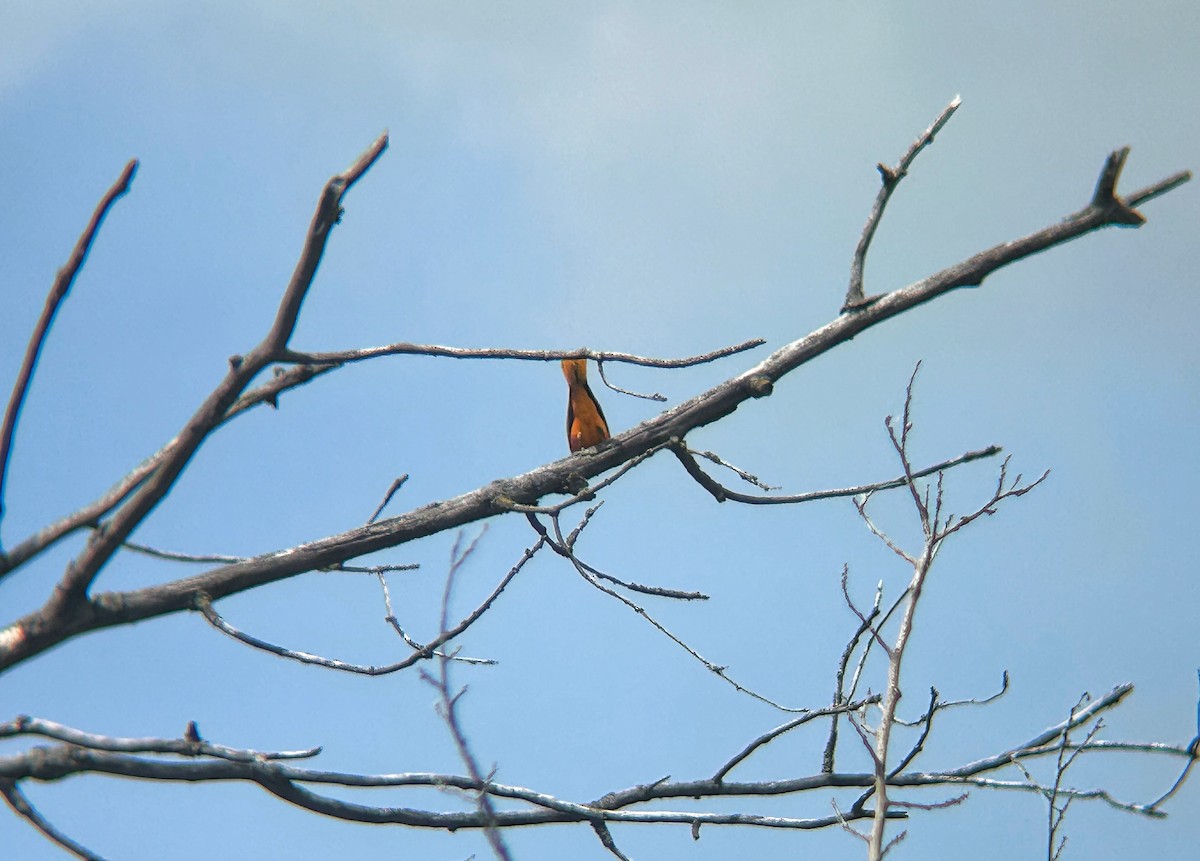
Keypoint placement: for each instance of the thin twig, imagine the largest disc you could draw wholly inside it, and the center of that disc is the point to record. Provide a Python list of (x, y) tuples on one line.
[(1063, 761), (1159, 188), (865, 621), (972, 701), (860, 504), (771, 735), (722, 493), (420, 653), (922, 737), (890, 177), (566, 551), (1080, 794), (448, 706), (176, 556), (748, 477), (58, 292), (16, 799), (872, 641), (900, 444), (604, 379), (24, 725), (204, 605), (396, 485), (1046, 741), (1013, 490), (1162, 799), (220, 558), (977, 701), (662, 629)]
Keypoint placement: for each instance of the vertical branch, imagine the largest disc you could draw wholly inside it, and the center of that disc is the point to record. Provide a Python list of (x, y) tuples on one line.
[(890, 177), (58, 292), (865, 622), (1054, 843), (448, 706), (891, 697), (936, 526)]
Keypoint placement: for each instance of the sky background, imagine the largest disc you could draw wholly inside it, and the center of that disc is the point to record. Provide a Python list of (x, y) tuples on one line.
[(662, 179)]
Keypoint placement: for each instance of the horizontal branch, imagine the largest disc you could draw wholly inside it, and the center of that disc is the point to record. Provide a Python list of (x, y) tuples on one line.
[(25, 725), (1067, 793), (60, 761), (722, 493), (86, 753), (408, 349)]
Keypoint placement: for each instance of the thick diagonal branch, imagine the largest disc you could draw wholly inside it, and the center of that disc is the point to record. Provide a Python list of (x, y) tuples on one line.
[(70, 595), (50, 625)]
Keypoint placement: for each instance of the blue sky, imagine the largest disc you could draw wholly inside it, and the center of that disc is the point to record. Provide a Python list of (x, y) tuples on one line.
[(662, 179)]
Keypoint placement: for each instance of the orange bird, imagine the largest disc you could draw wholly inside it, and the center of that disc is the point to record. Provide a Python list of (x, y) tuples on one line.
[(585, 420)]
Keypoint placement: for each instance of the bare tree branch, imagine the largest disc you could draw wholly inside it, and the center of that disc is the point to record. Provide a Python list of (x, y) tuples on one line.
[(209, 558), (20, 804), (606, 839), (404, 348), (293, 377), (25, 725), (1183, 775), (721, 493), (70, 612), (655, 396), (448, 706), (395, 485), (73, 610), (744, 475), (420, 653), (716, 669), (567, 552), (578, 488), (935, 530), (90, 514), (1042, 743), (767, 737), (865, 623), (88, 753), (70, 595), (890, 177), (58, 292), (59, 761)]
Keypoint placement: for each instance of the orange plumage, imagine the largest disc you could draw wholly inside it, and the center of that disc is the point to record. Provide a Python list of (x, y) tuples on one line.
[(585, 420)]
